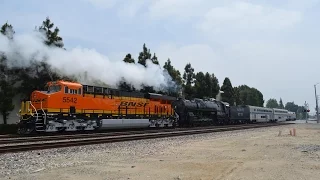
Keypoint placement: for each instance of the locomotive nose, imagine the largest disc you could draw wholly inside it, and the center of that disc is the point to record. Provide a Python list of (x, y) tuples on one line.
[(38, 97)]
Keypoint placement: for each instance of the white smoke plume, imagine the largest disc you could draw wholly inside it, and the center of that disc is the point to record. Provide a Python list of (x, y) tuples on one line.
[(87, 65), (218, 96)]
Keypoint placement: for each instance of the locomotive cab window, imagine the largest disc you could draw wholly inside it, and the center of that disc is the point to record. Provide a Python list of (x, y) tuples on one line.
[(54, 88), (68, 90), (73, 91)]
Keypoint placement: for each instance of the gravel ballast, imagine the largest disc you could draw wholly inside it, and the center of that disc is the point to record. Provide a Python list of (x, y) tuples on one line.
[(50, 163)]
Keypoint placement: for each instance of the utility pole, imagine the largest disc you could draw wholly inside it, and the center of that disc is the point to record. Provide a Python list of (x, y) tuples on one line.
[(306, 110), (317, 108)]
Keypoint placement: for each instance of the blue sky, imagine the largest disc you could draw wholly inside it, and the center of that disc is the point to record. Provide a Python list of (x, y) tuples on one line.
[(268, 44)]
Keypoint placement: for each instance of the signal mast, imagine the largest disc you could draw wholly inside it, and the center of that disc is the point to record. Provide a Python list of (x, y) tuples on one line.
[(306, 110)]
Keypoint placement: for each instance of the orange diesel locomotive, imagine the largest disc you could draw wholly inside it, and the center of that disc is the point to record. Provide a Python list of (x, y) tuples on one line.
[(70, 106)]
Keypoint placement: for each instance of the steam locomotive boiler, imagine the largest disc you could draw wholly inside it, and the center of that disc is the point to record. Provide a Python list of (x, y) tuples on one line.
[(198, 112)]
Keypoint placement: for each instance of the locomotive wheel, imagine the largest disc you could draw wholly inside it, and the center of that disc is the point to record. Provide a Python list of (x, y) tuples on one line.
[(25, 131), (22, 131)]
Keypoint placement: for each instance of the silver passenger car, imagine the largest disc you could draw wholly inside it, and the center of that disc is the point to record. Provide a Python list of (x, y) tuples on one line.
[(260, 114), (280, 114)]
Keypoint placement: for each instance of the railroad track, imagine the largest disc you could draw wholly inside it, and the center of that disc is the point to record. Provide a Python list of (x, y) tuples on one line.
[(6, 136), (124, 137), (13, 140), (14, 137)]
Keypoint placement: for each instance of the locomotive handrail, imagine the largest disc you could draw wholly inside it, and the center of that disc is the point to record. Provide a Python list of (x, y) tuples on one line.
[(45, 115), (33, 108)]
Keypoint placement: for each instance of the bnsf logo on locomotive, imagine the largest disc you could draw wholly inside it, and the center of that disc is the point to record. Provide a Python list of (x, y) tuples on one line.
[(38, 100), (134, 104)]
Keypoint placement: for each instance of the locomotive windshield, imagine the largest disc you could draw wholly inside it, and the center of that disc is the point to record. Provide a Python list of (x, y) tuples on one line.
[(54, 88)]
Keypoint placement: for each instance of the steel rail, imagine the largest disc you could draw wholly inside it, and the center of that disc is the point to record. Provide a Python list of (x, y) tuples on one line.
[(78, 136), (128, 137)]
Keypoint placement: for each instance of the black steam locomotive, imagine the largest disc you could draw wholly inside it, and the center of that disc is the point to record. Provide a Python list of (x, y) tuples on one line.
[(199, 112)]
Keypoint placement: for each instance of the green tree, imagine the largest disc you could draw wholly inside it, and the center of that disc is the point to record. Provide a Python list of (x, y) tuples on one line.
[(252, 98), (281, 104), (7, 30), (211, 85), (205, 85), (249, 96), (154, 59), (215, 86), (142, 58), (208, 85), (260, 100), (228, 95), (52, 34), (123, 85), (201, 86), (188, 80), (174, 73), (6, 95), (129, 59), (144, 55), (176, 77), (272, 103), (245, 97), (237, 98), (7, 79), (291, 106), (300, 114)]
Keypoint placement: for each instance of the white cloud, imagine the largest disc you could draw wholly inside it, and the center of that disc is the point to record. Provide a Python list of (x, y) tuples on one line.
[(276, 69), (131, 8), (301, 5), (176, 9), (247, 16), (102, 4), (201, 56)]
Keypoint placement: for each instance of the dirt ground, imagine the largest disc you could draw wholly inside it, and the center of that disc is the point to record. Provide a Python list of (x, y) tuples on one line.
[(251, 155)]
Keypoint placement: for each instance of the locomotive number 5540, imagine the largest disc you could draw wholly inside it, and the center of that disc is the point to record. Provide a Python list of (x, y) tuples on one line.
[(69, 100)]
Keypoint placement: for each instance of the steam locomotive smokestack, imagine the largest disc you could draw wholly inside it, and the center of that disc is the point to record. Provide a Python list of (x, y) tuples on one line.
[(181, 94), (218, 97)]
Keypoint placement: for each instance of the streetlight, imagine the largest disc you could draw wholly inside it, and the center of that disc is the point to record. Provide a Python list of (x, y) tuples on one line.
[(316, 96)]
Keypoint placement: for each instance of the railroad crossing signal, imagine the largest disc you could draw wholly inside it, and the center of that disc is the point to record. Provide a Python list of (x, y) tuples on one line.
[(306, 110)]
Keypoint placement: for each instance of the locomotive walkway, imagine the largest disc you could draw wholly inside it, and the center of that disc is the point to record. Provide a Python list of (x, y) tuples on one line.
[(37, 143)]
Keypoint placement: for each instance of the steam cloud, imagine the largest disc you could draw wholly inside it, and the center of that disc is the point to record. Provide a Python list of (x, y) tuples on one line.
[(87, 65)]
